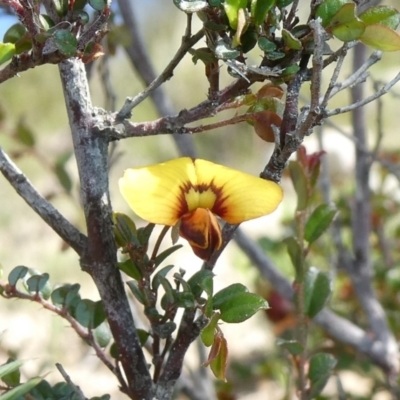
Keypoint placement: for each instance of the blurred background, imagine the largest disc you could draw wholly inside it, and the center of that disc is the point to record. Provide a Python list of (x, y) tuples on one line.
[(31, 105)]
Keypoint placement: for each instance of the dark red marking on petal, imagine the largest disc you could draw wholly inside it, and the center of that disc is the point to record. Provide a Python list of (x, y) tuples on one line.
[(201, 229)]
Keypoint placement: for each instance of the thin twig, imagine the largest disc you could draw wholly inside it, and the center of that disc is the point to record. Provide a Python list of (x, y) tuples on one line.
[(140, 59), (76, 389), (131, 103), (363, 102), (358, 76), (81, 331)]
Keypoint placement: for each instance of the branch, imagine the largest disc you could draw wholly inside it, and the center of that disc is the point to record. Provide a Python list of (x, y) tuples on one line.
[(25, 61), (189, 330), (366, 100), (100, 260), (46, 211), (141, 61), (360, 271), (358, 76), (131, 103), (76, 389), (173, 123)]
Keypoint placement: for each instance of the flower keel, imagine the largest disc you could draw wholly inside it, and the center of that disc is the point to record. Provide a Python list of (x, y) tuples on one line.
[(201, 229)]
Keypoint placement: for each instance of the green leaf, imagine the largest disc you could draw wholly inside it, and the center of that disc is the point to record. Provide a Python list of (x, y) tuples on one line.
[(382, 15), (15, 33), (66, 296), (241, 307), (349, 31), (164, 330), (191, 6), (319, 221), (39, 284), (295, 254), (292, 346), (185, 300), (61, 7), (24, 134), (133, 285), (290, 71), (144, 234), (196, 281), (266, 45), (166, 253), (46, 21), (65, 42), (102, 335), (98, 5), (125, 230), (317, 291), (18, 35), (321, 368), (61, 172), (10, 367), (249, 39), (208, 333), (218, 364), (299, 180), (381, 37), (208, 285), (143, 336), (328, 9), (156, 282), (16, 274), (20, 390), (203, 54), (283, 3), (169, 296), (99, 314), (227, 293), (130, 269), (259, 10), (7, 51), (291, 41), (84, 312), (215, 3), (43, 391), (232, 8)]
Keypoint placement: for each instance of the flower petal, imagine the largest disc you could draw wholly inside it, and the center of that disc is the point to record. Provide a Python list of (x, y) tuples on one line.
[(201, 229), (156, 192), (240, 196)]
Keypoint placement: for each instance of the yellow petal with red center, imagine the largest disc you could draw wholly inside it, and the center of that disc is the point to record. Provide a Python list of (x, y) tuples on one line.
[(239, 196), (163, 193), (156, 192), (201, 229)]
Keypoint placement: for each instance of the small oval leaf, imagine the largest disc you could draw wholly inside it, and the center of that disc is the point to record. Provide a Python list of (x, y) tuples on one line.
[(66, 42), (381, 37), (241, 307), (319, 222), (227, 293), (317, 291), (382, 15), (321, 368)]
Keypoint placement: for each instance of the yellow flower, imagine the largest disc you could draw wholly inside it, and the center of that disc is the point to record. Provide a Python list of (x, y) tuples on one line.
[(191, 192)]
